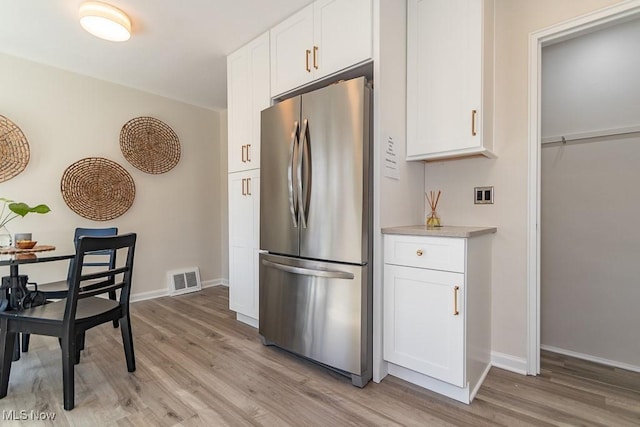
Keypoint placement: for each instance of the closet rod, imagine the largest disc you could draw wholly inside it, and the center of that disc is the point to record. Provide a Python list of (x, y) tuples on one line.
[(590, 135)]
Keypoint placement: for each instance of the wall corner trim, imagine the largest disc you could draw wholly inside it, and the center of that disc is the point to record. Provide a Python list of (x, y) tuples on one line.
[(215, 282), (509, 362)]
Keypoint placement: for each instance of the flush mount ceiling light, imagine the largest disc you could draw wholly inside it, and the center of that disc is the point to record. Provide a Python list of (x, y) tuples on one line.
[(105, 21)]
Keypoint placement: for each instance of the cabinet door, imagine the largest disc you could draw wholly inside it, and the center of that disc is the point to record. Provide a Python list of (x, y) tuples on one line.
[(248, 94), (444, 78), (342, 34), (292, 52), (240, 210), (244, 223), (242, 281), (424, 321), (238, 108)]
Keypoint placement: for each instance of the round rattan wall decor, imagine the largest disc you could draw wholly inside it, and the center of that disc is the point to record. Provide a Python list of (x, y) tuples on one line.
[(97, 188), (14, 150), (150, 145)]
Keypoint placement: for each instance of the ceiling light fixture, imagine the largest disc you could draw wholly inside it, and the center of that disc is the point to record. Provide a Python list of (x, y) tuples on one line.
[(105, 21)]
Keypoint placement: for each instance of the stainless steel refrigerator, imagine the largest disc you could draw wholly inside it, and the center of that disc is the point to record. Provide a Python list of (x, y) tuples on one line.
[(315, 223)]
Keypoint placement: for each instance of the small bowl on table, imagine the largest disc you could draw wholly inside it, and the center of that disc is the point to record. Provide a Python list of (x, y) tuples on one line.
[(25, 244)]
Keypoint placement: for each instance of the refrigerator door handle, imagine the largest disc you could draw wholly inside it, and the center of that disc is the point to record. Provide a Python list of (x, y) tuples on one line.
[(304, 186), (293, 195), (333, 274)]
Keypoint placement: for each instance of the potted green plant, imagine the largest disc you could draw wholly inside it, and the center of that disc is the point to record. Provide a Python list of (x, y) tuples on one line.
[(10, 211)]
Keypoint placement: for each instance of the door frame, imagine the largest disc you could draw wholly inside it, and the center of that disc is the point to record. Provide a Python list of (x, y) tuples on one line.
[(590, 22)]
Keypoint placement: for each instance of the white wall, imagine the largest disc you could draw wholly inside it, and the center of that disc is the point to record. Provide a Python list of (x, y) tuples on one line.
[(589, 253), (590, 83), (67, 117), (514, 19)]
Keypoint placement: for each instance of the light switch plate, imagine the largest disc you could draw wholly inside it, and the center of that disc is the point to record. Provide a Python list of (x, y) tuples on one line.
[(483, 195)]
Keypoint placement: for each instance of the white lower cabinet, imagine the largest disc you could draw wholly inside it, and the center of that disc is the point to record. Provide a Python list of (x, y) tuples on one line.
[(424, 328), (244, 236), (437, 312)]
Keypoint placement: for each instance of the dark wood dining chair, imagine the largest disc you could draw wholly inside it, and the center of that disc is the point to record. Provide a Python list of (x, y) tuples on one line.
[(59, 289), (69, 318)]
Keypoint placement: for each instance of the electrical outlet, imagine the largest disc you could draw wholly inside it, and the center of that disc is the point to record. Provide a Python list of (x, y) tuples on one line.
[(483, 195)]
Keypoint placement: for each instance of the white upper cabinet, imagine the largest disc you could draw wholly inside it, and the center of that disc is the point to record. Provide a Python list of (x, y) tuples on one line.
[(291, 52), (247, 95), (342, 34), (322, 39), (449, 78)]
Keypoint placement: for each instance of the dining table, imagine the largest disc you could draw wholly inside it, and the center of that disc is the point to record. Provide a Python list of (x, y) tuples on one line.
[(13, 258)]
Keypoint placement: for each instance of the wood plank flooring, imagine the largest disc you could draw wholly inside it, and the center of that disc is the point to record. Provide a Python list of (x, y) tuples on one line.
[(198, 366)]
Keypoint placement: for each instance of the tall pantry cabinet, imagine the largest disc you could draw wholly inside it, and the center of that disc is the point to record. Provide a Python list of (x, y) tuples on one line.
[(248, 93)]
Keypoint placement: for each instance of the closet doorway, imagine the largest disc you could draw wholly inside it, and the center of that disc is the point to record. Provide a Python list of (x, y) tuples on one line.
[(584, 269), (590, 196)]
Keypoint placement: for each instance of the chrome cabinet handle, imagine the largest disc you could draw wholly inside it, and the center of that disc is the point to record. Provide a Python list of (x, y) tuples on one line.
[(293, 198)]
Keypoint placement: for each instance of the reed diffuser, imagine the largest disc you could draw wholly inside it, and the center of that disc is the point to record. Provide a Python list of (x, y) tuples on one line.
[(433, 220)]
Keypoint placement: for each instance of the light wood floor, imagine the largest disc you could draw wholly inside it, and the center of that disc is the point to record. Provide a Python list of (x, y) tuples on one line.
[(198, 366)]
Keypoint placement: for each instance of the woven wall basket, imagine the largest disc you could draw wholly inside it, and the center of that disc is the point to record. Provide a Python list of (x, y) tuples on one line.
[(14, 150), (150, 145), (97, 188)]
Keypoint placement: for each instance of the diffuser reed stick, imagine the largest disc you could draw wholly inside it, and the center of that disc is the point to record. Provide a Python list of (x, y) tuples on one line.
[(433, 220)]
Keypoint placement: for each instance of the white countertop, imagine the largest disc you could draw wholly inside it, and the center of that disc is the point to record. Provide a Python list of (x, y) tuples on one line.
[(445, 231)]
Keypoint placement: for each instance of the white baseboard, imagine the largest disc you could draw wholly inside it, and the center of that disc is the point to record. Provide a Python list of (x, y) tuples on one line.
[(590, 358), (509, 362), (461, 394), (141, 296)]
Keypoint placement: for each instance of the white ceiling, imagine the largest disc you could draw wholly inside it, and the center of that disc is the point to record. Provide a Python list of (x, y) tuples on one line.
[(177, 48)]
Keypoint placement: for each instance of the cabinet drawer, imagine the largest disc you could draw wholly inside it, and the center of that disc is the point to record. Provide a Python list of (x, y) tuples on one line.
[(437, 253)]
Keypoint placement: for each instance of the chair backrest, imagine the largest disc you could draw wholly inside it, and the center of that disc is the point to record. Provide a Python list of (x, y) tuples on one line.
[(105, 258), (95, 283)]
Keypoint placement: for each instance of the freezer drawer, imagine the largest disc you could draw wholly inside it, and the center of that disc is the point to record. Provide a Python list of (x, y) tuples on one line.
[(319, 310)]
